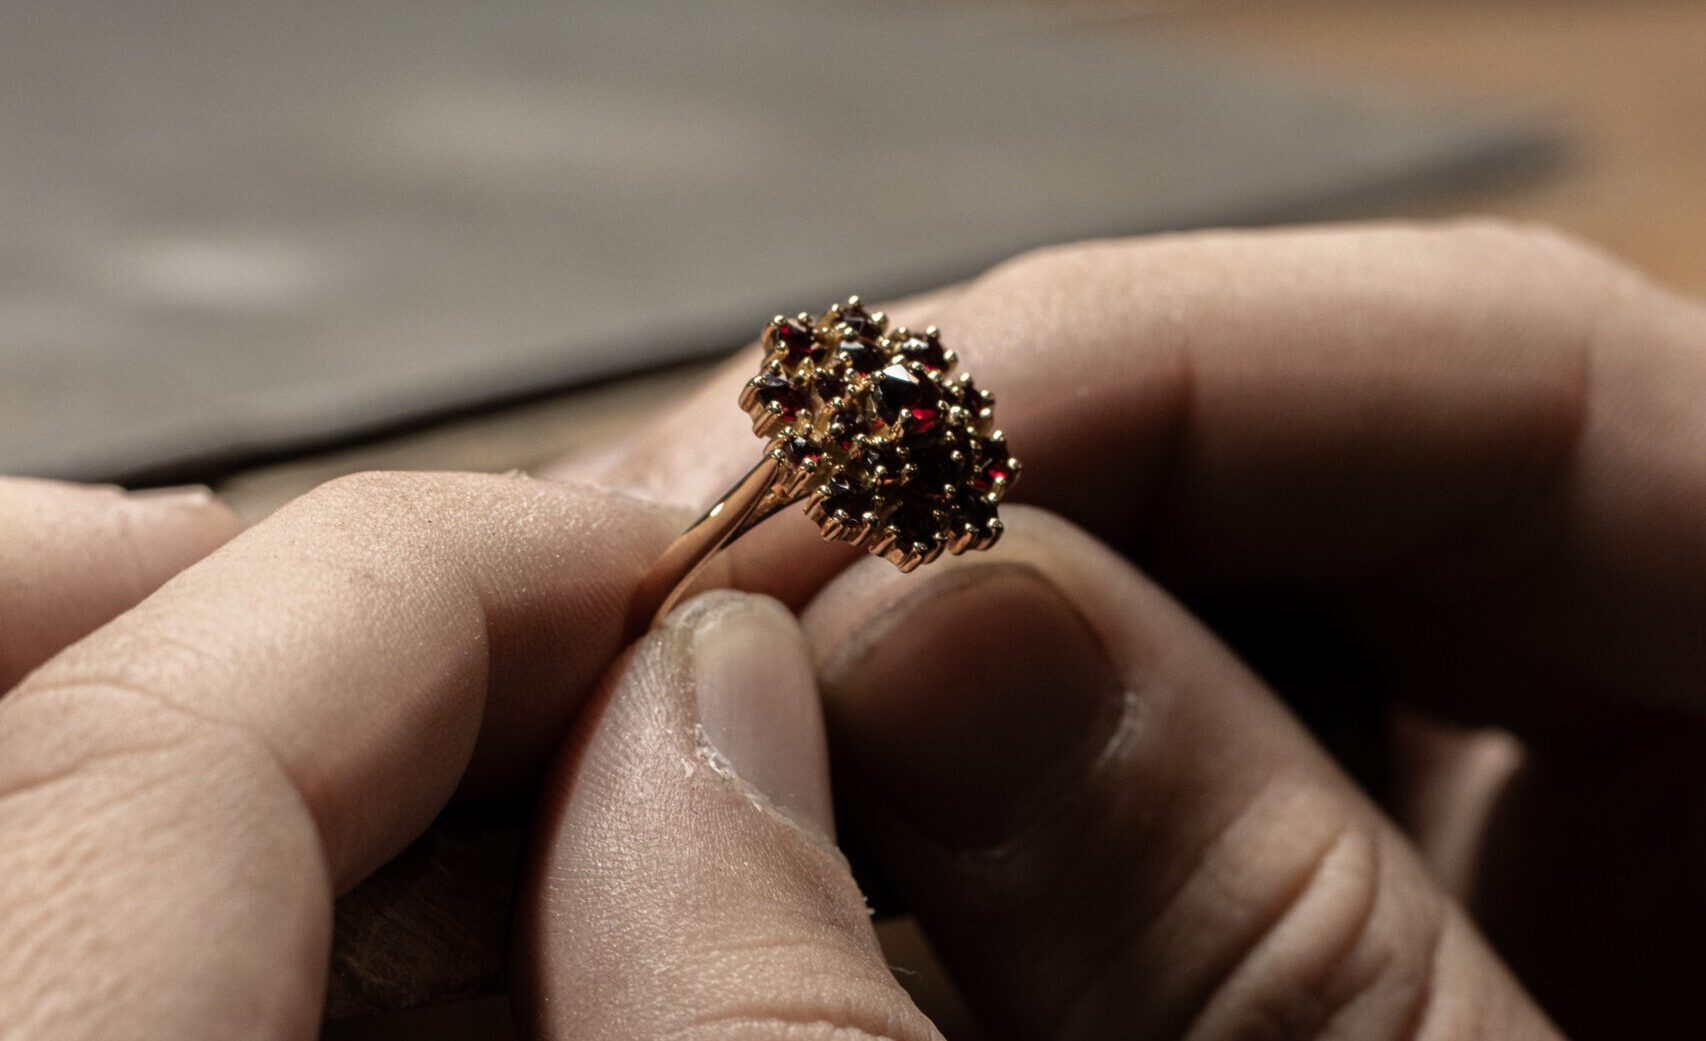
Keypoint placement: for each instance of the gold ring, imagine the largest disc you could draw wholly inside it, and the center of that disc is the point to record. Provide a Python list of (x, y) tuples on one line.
[(868, 427)]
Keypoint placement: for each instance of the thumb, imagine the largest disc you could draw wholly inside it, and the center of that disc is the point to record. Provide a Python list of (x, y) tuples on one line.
[(685, 882)]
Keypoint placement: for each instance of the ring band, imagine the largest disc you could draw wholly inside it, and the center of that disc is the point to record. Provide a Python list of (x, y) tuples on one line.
[(869, 428)]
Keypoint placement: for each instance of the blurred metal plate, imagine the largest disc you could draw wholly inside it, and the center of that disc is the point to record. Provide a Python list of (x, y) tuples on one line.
[(233, 228)]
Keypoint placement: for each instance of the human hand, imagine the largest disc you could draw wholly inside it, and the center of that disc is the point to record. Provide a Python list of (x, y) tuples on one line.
[(177, 822), (184, 790), (1474, 460)]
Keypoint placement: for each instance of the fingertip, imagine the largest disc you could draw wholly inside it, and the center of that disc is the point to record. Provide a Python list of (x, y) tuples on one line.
[(757, 703), (75, 556), (685, 879), (192, 520)]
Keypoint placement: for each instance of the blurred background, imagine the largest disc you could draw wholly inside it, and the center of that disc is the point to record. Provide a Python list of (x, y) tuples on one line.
[(259, 245)]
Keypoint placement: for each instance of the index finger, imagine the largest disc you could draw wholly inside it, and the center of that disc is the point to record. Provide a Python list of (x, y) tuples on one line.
[(182, 792), (1491, 436), (73, 556)]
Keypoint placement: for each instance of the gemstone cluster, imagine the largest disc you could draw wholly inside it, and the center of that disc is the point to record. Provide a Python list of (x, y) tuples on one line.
[(888, 448)]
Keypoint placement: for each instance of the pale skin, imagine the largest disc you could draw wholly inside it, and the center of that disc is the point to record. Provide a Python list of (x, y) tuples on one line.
[(1480, 450)]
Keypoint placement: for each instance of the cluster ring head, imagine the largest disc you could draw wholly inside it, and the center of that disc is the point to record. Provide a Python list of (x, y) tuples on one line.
[(889, 449)]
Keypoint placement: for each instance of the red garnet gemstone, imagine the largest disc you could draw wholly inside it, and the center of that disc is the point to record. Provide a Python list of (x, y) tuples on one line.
[(915, 522), (924, 349), (900, 393), (842, 495), (858, 319), (993, 465), (775, 389), (897, 390), (884, 463), (934, 475), (791, 335), (847, 425), (862, 354), (799, 451), (972, 399), (974, 504)]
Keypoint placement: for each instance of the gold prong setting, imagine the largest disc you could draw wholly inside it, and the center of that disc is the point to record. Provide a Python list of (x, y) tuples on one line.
[(890, 450)]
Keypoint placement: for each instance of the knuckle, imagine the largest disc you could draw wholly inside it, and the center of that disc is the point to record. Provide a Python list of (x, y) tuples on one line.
[(780, 1027), (1352, 948), (61, 725), (1333, 915), (796, 982), (123, 707), (1049, 265)]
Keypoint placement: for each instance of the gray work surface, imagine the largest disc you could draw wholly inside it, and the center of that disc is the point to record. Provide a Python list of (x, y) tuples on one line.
[(235, 229)]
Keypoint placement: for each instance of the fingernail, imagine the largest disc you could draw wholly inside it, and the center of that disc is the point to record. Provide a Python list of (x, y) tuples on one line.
[(973, 705), (175, 495), (758, 706), (194, 510)]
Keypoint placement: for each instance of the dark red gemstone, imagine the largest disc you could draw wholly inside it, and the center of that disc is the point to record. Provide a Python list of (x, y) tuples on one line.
[(924, 349), (972, 399), (859, 320), (862, 355), (776, 389), (799, 451), (792, 336), (897, 390), (974, 506), (846, 425), (915, 522), (996, 462), (900, 393), (884, 463), (994, 465), (843, 494), (934, 474)]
